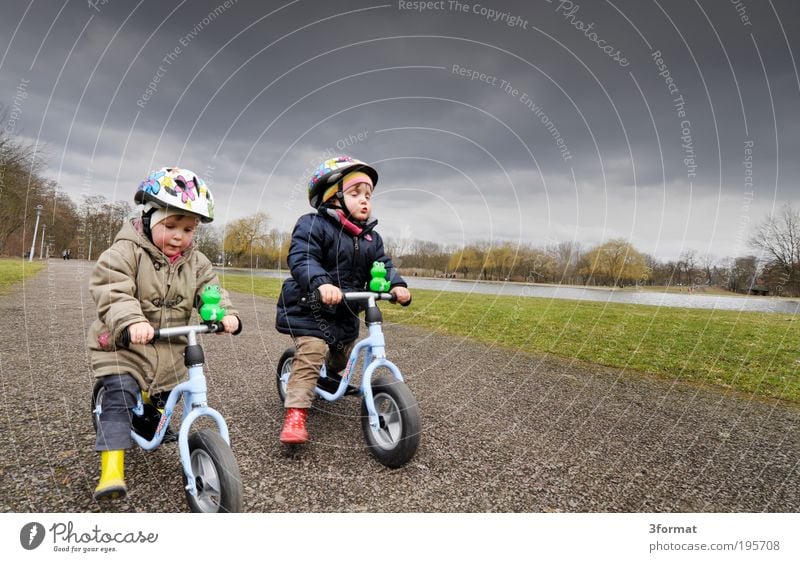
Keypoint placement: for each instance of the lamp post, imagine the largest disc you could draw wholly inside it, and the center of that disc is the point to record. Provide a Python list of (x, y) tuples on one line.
[(41, 247), (35, 230)]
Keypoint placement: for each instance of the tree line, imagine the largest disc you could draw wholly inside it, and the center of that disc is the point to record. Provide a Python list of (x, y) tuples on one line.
[(89, 226), (615, 262), (86, 228)]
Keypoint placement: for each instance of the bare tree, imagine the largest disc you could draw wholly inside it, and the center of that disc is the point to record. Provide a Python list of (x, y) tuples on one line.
[(687, 265), (778, 237), (566, 256), (743, 274), (21, 189), (101, 221), (705, 275), (208, 240), (62, 219)]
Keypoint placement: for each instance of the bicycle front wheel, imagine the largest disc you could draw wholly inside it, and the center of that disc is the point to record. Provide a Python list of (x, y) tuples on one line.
[(216, 474), (396, 439)]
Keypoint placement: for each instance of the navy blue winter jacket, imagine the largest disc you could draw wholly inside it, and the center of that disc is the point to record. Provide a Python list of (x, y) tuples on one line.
[(322, 251)]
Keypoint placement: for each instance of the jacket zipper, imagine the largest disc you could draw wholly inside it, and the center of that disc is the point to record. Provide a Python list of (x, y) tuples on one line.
[(355, 251)]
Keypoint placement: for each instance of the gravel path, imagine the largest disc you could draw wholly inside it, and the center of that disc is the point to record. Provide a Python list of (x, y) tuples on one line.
[(501, 432)]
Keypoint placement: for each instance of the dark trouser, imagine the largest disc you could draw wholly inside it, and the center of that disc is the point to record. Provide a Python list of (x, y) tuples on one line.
[(114, 427)]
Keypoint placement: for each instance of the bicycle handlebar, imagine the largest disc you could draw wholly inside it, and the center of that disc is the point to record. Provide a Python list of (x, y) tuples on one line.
[(365, 295), (314, 297), (207, 327)]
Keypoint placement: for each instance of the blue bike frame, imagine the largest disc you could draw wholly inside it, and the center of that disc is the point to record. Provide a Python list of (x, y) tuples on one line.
[(374, 349), (193, 392)]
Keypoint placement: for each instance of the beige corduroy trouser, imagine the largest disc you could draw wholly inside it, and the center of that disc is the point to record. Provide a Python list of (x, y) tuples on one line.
[(310, 354)]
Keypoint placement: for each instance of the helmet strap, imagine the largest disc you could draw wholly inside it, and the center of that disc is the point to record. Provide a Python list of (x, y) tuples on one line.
[(146, 217), (340, 196)]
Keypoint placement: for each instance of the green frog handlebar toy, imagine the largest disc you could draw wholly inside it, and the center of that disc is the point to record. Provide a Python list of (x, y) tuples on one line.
[(211, 311), (379, 283)]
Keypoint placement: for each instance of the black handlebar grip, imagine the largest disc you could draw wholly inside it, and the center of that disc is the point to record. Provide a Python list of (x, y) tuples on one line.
[(312, 298), (406, 303), (315, 297), (125, 337)]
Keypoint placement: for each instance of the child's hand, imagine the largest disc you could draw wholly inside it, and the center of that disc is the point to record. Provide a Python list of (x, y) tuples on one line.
[(230, 323), (141, 332), (330, 294), (403, 295)]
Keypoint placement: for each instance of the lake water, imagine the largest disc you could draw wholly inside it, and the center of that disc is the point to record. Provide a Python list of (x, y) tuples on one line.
[(677, 300)]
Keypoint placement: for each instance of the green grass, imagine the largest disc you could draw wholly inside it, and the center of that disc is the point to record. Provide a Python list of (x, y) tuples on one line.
[(261, 286), (751, 352), (15, 270)]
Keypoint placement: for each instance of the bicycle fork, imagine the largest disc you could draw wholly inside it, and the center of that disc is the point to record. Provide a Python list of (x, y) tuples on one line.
[(375, 357)]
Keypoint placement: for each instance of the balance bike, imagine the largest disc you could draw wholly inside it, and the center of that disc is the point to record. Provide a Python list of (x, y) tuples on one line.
[(210, 471), (390, 418)]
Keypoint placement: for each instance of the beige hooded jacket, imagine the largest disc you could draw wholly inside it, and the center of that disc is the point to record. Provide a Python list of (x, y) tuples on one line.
[(133, 281)]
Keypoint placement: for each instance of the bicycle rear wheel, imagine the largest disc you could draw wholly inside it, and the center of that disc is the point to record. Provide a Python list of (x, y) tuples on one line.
[(283, 372)]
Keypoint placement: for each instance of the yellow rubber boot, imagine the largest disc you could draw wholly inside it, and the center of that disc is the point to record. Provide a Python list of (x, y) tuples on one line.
[(112, 475)]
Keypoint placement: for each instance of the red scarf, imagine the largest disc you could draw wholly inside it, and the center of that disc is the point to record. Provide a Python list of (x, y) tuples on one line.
[(348, 225)]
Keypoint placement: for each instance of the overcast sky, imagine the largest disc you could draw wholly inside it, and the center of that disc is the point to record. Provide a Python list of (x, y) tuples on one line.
[(673, 124)]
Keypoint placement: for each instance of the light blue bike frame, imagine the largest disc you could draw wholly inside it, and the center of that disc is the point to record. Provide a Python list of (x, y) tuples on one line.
[(193, 392), (374, 348)]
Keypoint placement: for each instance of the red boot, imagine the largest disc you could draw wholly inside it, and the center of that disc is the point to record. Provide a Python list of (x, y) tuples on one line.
[(294, 426)]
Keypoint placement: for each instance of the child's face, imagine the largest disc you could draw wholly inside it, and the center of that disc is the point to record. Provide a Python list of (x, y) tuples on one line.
[(357, 198), (174, 234)]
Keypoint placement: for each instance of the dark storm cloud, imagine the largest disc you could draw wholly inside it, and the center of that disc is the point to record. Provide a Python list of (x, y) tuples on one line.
[(528, 121)]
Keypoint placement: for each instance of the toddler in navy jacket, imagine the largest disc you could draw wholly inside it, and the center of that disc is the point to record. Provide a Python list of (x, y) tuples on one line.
[(331, 251)]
